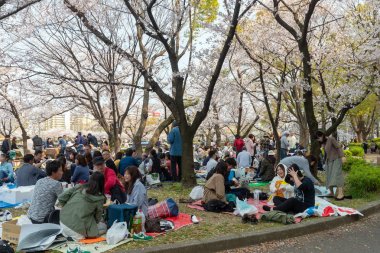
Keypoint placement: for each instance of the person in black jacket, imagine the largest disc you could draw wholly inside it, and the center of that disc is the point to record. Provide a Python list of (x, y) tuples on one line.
[(109, 162), (6, 145), (92, 140)]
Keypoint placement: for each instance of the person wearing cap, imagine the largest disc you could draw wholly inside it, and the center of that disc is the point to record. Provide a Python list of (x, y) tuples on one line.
[(112, 185), (127, 161), (303, 190), (284, 145), (333, 161)]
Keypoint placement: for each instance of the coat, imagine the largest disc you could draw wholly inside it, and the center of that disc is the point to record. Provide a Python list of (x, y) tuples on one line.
[(81, 212), (27, 175), (139, 197), (333, 149), (111, 180), (215, 189), (175, 140)]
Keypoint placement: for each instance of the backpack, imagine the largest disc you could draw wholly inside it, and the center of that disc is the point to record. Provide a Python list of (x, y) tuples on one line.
[(163, 209), (118, 194), (5, 247), (217, 206)]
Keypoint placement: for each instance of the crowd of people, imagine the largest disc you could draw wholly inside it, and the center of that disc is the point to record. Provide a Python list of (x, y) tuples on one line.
[(84, 175)]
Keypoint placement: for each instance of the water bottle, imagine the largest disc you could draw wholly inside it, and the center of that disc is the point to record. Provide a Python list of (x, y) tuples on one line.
[(256, 196)]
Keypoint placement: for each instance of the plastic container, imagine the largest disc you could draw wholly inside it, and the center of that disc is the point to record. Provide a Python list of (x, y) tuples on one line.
[(138, 224), (256, 196)]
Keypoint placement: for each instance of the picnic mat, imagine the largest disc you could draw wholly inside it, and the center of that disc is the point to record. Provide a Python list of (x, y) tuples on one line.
[(7, 205), (94, 247), (182, 220), (258, 184)]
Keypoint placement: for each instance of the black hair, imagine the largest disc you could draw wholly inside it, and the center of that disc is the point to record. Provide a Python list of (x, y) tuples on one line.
[(231, 161), (95, 185), (153, 153), (97, 153), (52, 166), (119, 155), (211, 153), (37, 152), (62, 159), (129, 152), (221, 168), (135, 174), (296, 169), (81, 160), (28, 158)]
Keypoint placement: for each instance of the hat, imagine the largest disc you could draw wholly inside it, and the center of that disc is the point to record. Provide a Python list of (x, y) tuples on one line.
[(271, 152), (69, 144), (98, 160)]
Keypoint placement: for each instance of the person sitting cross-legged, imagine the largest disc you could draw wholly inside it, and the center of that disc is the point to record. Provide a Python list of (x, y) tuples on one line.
[(304, 193)]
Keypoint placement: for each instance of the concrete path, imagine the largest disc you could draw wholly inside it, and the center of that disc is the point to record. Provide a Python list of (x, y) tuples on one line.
[(358, 237)]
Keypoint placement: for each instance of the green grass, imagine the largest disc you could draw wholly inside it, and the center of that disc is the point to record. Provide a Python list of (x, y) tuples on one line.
[(212, 225)]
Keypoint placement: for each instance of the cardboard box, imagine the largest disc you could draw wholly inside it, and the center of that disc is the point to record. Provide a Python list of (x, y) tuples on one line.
[(16, 195), (11, 232)]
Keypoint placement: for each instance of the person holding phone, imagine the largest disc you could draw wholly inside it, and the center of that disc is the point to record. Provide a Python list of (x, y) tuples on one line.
[(303, 190)]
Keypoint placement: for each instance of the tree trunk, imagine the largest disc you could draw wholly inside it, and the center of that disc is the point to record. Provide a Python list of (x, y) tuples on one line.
[(156, 135), (188, 175), (114, 141), (25, 142), (218, 135), (304, 135), (240, 114), (208, 137)]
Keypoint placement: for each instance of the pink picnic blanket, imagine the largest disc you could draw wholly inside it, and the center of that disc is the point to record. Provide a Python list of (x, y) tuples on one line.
[(180, 221)]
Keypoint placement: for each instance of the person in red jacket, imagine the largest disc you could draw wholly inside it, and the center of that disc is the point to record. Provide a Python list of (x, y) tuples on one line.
[(112, 185), (238, 144)]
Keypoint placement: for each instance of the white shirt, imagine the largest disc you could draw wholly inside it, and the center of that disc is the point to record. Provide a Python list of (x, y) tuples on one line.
[(211, 164), (244, 159)]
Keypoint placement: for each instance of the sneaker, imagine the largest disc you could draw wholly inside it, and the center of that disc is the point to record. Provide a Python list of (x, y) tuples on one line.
[(194, 219), (76, 250), (5, 216), (142, 236)]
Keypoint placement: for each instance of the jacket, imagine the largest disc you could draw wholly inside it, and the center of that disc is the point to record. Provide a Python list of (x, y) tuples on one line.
[(7, 168), (284, 142), (279, 183), (81, 212), (27, 175), (278, 216), (250, 145), (175, 140), (126, 162), (266, 170), (111, 180), (332, 149), (239, 144), (139, 197), (215, 189), (81, 174), (244, 159), (6, 146)]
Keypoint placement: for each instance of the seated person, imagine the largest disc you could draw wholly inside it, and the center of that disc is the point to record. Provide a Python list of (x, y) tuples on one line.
[(46, 193), (212, 160), (244, 158), (278, 186), (112, 185), (81, 172), (303, 163), (38, 158), (214, 188), (83, 208), (66, 177), (6, 170), (127, 161), (304, 193), (27, 174), (267, 172), (109, 162), (136, 192)]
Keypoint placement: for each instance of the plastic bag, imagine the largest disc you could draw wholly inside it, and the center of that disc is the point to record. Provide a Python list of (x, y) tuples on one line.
[(153, 179), (242, 207), (196, 193), (23, 220), (117, 232)]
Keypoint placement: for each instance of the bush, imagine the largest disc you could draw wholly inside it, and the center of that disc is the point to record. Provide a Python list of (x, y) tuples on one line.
[(352, 162), (347, 153), (363, 180), (355, 144), (356, 151), (376, 140)]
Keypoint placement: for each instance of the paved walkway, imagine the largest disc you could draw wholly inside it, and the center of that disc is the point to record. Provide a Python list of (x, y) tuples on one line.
[(358, 237)]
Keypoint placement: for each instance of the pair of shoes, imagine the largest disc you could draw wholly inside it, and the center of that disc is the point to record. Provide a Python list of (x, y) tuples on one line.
[(5, 216), (142, 236), (250, 219), (166, 225), (266, 208), (194, 219), (339, 199)]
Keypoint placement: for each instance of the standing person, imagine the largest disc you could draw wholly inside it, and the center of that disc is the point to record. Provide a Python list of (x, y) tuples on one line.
[(265, 144), (80, 140), (112, 185), (175, 140), (6, 145), (62, 144), (238, 144), (284, 145), (109, 162), (37, 143), (244, 159), (251, 146), (365, 147), (6, 170), (92, 140), (292, 140), (127, 161), (14, 143), (46, 193), (333, 161), (87, 201), (49, 143), (136, 191), (303, 163)]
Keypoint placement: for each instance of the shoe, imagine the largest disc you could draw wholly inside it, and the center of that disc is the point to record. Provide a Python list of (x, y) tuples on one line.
[(5, 216), (339, 199), (266, 208), (142, 236), (194, 219)]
